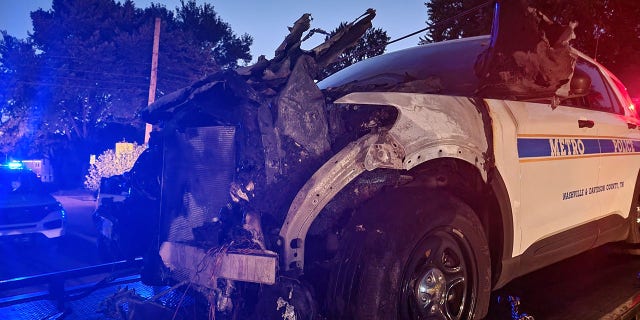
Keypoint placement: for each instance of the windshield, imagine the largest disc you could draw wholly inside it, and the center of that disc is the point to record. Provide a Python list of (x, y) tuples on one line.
[(19, 182), (443, 68)]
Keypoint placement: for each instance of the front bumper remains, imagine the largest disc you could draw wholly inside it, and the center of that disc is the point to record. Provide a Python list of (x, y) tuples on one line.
[(203, 267)]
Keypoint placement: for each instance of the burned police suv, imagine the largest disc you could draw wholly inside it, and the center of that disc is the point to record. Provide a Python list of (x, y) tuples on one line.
[(409, 185)]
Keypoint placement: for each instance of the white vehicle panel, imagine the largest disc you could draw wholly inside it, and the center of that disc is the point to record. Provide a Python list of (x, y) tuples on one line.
[(620, 145), (548, 161), (428, 127), (619, 139)]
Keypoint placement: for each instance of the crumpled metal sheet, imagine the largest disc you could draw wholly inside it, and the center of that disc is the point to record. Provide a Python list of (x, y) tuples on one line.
[(293, 39), (529, 55), (301, 109), (278, 110), (220, 92), (327, 52), (265, 77)]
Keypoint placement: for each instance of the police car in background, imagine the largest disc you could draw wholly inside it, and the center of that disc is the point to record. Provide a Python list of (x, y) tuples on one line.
[(27, 210)]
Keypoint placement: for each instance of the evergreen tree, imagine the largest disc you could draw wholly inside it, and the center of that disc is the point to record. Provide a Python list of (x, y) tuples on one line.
[(86, 68), (446, 25), (207, 30), (17, 58), (371, 44)]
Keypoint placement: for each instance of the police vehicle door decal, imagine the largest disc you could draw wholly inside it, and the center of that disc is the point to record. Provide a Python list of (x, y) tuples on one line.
[(533, 147), (549, 154)]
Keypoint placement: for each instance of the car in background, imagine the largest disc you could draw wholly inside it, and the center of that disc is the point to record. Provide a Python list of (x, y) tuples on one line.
[(27, 209), (110, 208), (113, 189), (127, 209), (122, 219)]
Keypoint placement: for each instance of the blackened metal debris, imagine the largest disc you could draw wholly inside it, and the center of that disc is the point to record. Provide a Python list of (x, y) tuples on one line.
[(279, 111), (529, 55)]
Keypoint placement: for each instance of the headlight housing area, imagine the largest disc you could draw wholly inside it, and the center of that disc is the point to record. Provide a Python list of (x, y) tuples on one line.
[(60, 217)]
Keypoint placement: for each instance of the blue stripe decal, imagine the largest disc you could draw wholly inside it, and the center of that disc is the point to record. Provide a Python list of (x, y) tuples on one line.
[(558, 147), (530, 148), (607, 145)]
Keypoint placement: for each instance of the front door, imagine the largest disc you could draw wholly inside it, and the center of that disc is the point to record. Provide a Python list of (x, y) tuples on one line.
[(553, 154)]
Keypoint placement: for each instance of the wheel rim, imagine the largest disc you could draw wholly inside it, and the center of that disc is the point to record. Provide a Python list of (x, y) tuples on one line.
[(438, 281)]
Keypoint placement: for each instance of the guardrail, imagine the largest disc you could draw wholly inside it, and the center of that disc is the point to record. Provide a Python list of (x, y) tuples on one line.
[(118, 272)]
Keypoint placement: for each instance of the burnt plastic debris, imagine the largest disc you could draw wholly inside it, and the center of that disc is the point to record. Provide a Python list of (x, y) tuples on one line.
[(513, 308), (278, 110), (529, 55), (226, 142)]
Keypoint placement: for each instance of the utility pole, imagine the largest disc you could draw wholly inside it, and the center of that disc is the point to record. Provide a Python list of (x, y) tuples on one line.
[(154, 76)]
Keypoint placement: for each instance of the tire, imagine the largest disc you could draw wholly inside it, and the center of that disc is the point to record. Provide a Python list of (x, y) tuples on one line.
[(632, 244), (412, 256), (634, 225)]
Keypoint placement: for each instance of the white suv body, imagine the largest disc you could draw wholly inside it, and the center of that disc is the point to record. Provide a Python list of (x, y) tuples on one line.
[(26, 209), (564, 174), (568, 165)]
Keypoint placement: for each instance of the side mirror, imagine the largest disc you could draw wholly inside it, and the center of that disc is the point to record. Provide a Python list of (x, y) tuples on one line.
[(580, 83)]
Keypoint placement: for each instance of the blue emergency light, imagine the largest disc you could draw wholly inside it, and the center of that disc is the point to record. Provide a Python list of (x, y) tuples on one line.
[(14, 165)]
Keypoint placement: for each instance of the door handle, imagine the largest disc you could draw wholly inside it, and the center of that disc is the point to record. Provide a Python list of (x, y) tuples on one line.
[(586, 123), (631, 125)]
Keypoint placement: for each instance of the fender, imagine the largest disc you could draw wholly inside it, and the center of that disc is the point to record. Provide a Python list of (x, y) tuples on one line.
[(428, 127), (508, 266), (634, 214)]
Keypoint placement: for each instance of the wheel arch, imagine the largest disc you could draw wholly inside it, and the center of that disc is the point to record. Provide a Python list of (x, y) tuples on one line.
[(430, 130), (488, 199), (634, 213)]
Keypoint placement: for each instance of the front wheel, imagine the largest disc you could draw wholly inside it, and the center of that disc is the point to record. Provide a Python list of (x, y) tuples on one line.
[(412, 256)]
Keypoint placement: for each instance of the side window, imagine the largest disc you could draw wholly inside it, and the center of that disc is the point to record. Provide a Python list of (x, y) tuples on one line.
[(600, 95), (631, 106)]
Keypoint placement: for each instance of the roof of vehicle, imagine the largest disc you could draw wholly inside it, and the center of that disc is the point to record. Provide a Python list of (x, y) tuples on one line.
[(27, 179), (29, 193), (444, 67)]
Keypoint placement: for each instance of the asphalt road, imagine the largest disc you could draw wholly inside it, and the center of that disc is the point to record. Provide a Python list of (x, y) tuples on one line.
[(79, 205), (588, 286)]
